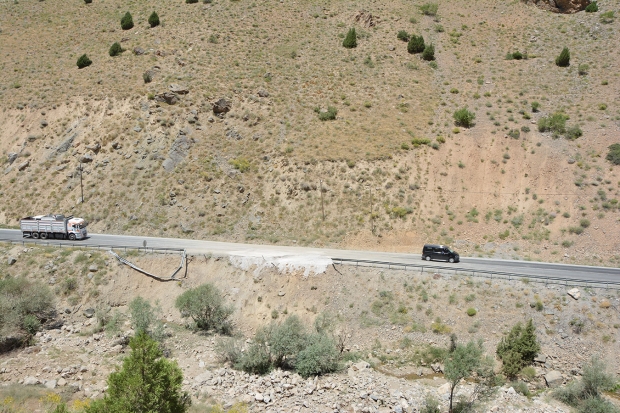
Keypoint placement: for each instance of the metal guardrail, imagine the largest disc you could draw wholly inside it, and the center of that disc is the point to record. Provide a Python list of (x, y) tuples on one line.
[(80, 245), (573, 282), (135, 267)]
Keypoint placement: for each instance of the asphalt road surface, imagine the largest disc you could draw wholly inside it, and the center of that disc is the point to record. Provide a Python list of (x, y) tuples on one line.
[(193, 247)]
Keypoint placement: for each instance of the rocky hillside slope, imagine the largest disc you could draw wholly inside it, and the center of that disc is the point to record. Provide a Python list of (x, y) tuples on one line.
[(225, 142)]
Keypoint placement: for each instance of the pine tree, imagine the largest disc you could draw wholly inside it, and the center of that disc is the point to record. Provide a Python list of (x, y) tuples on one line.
[(563, 60), (83, 61), (127, 21), (416, 44), (154, 19), (147, 382), (116, 49), (429, 53), (350, 41)]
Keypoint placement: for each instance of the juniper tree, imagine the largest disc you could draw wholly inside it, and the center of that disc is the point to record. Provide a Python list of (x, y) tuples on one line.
[(154, 19), (416, 44), (350, 41), (127, 21), (563, 60)]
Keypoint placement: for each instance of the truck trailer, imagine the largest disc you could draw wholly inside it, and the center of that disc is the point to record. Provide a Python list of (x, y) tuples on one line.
[(54, 226)]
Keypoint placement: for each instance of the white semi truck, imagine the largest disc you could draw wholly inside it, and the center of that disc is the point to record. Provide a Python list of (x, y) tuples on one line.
[(54, 226)]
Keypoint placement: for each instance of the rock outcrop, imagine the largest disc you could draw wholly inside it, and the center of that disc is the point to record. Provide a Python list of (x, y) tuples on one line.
[(560, 6)]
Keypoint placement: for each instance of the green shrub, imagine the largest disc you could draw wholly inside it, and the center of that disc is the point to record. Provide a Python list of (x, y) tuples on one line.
[(420, 141), (88, 1), (521, 388), (23, 304), (517, 55), (115, 49), (429, 9), (471, 311), (350, 40), (83, 61), (331, 114), (145, 318), (154, 19), (584, 223), (535, 106), (592, 7), (147, 76), (191, 1), (575, 230), (613, 155), (431, 405), (127, 21), (586, 394), (608, 17), (416, 44), (206, 306), (563, 60), (573, 133), (583, 69), (256, 359), (518, 348), (319, 357), (402, 35), (555, 123), (286, 340), (429, 53), (464, 117), (241, 164), (147, 382)]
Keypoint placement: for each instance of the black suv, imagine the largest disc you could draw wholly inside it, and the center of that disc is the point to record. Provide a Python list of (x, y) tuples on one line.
[(439, 252)]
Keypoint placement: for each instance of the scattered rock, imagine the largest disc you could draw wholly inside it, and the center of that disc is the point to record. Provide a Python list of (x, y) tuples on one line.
[(50, 384), (168, 97), (554, 378), (116, 145), (86, 158), (178, 89), (66, 144), (44, 123), (11, 157), (263, 93), (540, 358), (11, 260), (31, 381), (23, 165), (179, 150), (138, 51), (574, 293), (89, 312), (95, 147), (93, 268), (222, 106)]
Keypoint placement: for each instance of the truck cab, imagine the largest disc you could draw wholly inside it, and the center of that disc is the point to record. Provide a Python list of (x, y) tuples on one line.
[(77, 228)]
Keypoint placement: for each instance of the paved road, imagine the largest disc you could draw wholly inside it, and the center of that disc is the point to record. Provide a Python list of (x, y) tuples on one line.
[(576, 272)]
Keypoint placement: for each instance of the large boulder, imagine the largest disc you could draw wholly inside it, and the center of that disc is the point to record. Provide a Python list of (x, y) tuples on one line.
[(559, 6), (168, 97), (178, 89), (222, 106), (554, 378)]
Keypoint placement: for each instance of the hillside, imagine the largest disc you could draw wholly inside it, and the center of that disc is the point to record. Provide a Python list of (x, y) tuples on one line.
[(396, 320), (390, 172)]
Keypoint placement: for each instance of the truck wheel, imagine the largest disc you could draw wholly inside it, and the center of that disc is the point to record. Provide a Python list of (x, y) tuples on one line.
[(428, 258), (43, 235), (72, 237), (35, 235)]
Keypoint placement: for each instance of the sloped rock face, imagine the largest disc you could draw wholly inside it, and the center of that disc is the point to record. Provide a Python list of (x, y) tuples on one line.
[(559, 6)]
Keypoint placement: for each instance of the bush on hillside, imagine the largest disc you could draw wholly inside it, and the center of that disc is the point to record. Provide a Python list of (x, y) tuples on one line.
[(206, 306), (88, 1), (127, 21), (416, 44), (518, 348), (613, 155), (83, 61), (403, 35), (556, 124), (147, 382), (145, 318), (563, 60), (429, 53), (24, 305), (320, 356), (191, 1), (429, 9), (330, 114), (115, 49), (464, 118), (350, 41), (154, 19), (592, 7)]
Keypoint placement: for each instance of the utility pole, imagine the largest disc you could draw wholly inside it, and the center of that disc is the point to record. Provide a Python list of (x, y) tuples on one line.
[(322, 203), (81, 185), (372, 220)]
